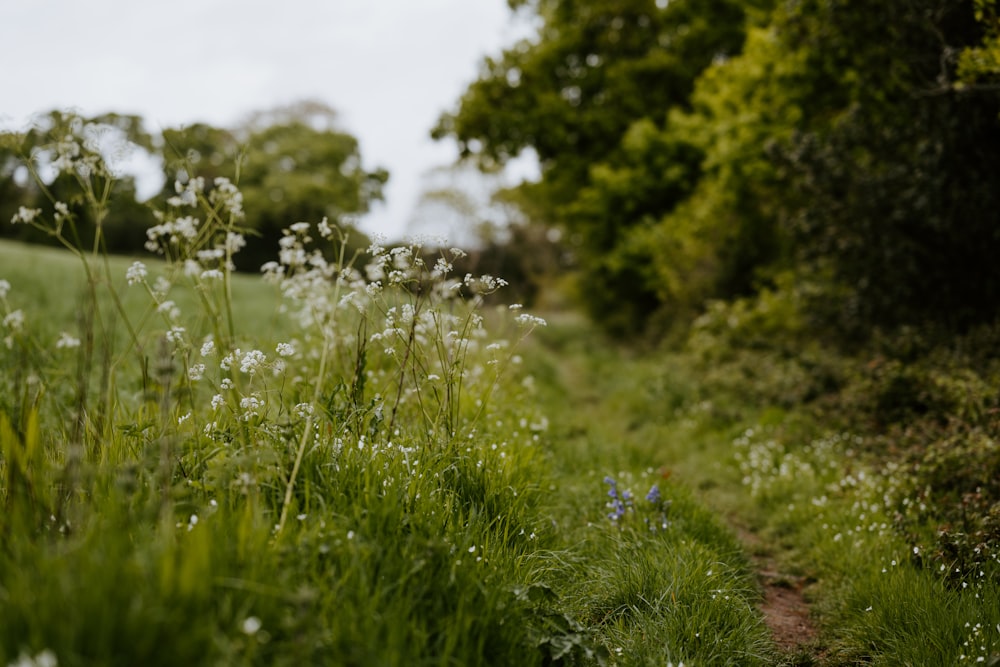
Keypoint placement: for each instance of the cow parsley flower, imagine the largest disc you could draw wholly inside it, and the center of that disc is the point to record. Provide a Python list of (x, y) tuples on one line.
[(251, 406), (25, 215), (62, 211), (14, 320), (251, 625), (325, 230), (136, 273), (251, 361), (229, 196), (525, 319), (229, 359), (67, 341)]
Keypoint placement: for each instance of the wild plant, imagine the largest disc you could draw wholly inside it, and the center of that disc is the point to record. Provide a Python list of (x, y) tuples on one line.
[(367, 400)]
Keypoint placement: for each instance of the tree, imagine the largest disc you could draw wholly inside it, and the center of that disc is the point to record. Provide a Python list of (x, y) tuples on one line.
[(849, 143), (28, 179), (290, 163), (598, 68), (891, 188), (979, 64)]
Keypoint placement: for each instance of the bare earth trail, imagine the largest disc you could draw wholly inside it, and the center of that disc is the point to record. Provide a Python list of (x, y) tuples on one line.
[(784, 605)]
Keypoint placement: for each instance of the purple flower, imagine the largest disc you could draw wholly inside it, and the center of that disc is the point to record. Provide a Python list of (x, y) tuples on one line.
[(654, 495)]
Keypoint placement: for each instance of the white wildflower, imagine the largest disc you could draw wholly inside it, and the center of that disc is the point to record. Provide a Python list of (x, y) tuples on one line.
[(251, 361), (530, 320), (169, 308), (251, 625), (325, 230), (14, 320), (234, 242), (176, 335), (67, 341), (229, 196), (62, 211), (442, 267), (136, 273), (25, 215), (250, 405), (229, 359), (196, 372)]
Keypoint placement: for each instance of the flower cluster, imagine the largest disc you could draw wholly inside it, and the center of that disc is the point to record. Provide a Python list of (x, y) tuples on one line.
[(622, 504), (204, 247)]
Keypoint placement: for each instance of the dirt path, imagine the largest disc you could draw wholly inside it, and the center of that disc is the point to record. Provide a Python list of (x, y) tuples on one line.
[(784, 606)]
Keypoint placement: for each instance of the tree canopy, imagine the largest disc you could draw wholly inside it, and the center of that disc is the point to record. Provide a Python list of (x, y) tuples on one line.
[(699, 150)]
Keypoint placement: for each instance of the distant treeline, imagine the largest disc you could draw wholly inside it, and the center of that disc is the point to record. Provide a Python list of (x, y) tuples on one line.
[(291, 164)]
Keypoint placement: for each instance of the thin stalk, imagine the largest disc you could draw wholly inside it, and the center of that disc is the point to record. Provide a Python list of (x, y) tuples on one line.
[(317, 393)]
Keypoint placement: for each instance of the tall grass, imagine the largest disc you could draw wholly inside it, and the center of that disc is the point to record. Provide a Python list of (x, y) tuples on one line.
[(345, 461), (287, 471)]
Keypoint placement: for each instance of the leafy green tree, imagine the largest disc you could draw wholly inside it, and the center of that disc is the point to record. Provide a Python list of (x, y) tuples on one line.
[(848, 142), (979, 64), (29, 179), (597, 68), (292, 164), (890, 189)]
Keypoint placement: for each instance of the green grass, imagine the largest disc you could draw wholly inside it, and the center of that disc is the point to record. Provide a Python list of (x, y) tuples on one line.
[(49, 283), (337, 466), (821, 505), (156, 541), (490, 544)]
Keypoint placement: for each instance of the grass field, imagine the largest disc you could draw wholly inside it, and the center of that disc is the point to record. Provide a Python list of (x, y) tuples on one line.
[(315, 470)]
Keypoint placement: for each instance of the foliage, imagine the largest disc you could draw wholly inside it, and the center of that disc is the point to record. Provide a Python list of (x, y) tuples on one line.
[(904, 220), (979, 65), (350, 466), (825, 138), (596, 69), (290, 163)]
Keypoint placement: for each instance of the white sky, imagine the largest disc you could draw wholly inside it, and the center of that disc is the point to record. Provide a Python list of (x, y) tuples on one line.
[(389, 67)]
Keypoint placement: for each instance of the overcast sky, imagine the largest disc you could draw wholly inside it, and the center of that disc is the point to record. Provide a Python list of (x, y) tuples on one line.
[(389, 67)]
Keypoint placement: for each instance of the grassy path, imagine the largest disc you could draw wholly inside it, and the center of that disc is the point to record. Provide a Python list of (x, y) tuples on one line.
[(612, 420), (602, 419), (831, 581)]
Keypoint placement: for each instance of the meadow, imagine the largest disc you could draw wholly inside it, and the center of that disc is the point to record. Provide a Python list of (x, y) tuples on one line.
[(371, 460)]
